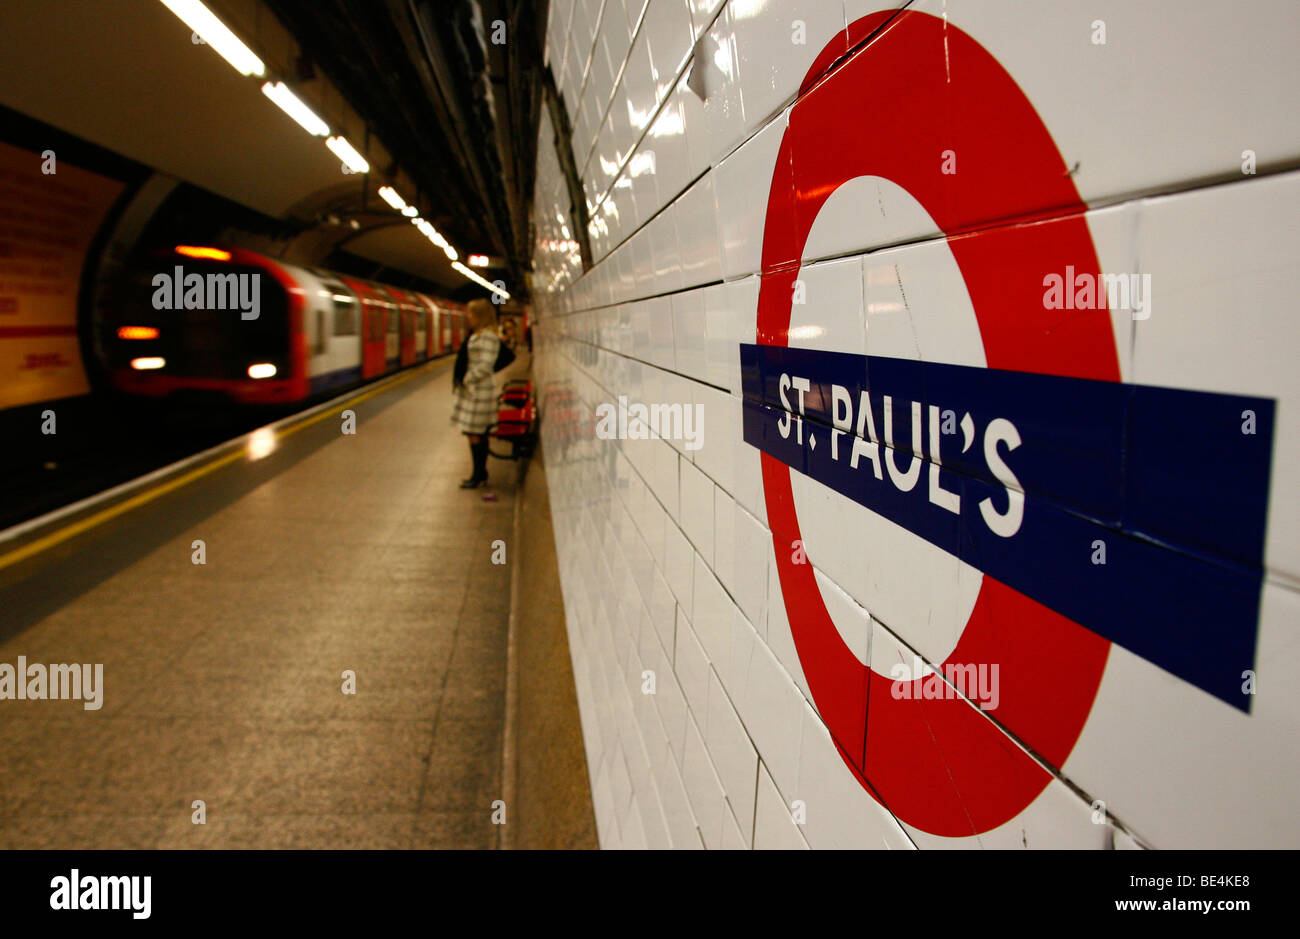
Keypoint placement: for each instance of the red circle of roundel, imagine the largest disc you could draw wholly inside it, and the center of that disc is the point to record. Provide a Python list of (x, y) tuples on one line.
[(920, 88)]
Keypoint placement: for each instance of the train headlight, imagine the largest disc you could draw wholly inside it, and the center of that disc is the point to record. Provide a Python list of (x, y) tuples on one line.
[(148, 362), (137, 332), (211, 254), (261, 370)]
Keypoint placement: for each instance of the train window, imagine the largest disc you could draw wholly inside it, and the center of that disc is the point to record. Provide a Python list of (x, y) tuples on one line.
[(345, 315), (376, 323), (392, 319), (322, 338)]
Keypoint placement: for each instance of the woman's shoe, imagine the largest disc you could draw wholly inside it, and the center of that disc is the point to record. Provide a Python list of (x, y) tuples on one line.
[(473, 482)]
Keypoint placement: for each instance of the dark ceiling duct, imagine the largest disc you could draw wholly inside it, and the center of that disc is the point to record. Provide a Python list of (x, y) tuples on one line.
[(454, 52), (458, 113)]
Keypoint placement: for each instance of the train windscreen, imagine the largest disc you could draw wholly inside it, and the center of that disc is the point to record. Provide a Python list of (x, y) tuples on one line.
[(205, 319)]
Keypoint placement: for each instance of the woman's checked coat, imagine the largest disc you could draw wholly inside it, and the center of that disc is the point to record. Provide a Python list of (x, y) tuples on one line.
[(476, 399)]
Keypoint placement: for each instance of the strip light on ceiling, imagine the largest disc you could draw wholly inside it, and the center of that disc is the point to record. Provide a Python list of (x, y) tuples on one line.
[(425, 227), (389, 195), (456, 265), (354, 161), (292, 105), (216, 34)]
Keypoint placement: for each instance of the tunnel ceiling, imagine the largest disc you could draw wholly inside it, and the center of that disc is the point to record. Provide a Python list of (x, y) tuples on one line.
[(457, 111)]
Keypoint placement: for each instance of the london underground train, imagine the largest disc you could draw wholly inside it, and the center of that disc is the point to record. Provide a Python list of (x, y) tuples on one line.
[(232, 324)]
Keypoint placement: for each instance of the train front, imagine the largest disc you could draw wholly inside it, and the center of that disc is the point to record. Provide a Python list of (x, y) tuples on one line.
[(207, 324)]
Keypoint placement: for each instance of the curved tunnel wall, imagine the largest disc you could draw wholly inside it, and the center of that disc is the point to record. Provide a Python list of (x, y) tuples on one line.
[(982, 535)]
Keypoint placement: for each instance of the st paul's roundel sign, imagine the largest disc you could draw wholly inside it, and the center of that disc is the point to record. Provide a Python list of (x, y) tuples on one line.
[(1058, 453)]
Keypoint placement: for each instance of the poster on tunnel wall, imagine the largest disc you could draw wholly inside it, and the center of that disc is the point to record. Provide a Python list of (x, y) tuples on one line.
[(47, 221)]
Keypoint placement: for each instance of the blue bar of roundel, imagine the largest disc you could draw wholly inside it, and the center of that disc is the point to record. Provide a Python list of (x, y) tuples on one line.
[(1193, 618), (1077, 426), (1197, 476), (1181, 582)]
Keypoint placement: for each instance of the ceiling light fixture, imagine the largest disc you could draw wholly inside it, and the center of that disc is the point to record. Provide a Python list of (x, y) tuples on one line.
[(354, 161), (217, 35), (389, 195), (461, 268), (292, 105)]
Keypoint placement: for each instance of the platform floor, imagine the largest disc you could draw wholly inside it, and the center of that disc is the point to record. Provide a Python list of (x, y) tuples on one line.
[(222, 681)]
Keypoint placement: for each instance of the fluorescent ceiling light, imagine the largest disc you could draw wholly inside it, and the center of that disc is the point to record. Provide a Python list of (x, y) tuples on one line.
[(410, 211), (215, 33), (292, 105), (354, 161), (478, 260), (462, 269), (389, 195), (450, 252)]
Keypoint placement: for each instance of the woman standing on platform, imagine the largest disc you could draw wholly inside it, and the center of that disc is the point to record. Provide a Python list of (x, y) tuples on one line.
[(476, 401)]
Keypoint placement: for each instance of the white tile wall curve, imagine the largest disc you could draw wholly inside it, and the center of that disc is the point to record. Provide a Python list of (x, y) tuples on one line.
[(706, 722)]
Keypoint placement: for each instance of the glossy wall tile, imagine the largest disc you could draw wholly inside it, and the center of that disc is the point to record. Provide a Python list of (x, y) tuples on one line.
[(922, 441)]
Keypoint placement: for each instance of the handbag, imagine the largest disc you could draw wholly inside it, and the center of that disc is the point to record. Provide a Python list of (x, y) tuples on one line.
[(462, 364)]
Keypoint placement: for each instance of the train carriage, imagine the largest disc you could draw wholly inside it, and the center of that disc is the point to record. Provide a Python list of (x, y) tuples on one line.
[(242, 326)]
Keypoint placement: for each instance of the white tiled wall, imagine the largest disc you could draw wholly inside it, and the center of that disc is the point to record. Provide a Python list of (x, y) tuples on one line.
[(700, 724)]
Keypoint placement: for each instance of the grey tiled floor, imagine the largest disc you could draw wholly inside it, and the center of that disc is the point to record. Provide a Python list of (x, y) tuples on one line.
[(222, 681)]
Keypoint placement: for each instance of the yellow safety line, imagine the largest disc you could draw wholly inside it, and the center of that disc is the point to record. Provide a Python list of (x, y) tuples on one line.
[(76, 528)]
